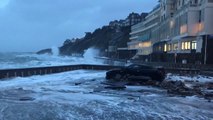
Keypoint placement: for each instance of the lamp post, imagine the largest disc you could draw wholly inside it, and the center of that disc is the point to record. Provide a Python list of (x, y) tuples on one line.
[(176, 48), (205, 54)]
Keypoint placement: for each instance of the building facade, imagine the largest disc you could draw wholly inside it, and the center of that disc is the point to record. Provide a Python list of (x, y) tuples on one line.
[(144, 34), (181, 31)]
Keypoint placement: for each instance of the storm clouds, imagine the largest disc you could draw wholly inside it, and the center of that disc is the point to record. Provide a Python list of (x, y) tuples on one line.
[(30, 25)]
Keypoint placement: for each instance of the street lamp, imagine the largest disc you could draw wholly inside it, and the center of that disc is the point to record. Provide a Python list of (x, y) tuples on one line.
[(176, 48), (205, 54)]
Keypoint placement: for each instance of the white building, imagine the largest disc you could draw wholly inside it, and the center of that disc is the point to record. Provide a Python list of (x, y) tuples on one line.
[(142, 33), (182, 24)]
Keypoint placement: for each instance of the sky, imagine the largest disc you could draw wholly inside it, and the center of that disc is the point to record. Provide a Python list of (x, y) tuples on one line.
[(31, 25)]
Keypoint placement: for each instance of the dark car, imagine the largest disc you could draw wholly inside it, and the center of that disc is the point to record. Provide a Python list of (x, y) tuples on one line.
[(137, 71)]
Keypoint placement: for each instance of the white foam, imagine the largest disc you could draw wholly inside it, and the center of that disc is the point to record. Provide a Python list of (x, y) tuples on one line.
[(198, 78), (26, 60), (58, 93), (55, 51), (91, 55)]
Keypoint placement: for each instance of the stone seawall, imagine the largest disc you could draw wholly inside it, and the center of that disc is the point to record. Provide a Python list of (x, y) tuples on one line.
[(24, 72)]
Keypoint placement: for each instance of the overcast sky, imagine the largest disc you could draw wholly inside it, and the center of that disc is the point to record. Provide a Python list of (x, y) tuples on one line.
[(31, 25)]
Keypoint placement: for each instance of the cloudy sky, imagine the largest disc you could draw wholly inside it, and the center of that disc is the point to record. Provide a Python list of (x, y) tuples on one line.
[(30, 25)]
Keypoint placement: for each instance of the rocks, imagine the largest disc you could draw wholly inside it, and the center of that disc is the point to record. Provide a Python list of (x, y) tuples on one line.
[(173, 88), (172, 85), (115, 85), (176, 87), (209, 85), (45, 51), (204, 90), (77, 84), (26, 99), (208, 94)]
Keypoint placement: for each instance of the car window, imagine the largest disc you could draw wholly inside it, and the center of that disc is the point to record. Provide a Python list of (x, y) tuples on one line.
[(135, 66), (146, 67)]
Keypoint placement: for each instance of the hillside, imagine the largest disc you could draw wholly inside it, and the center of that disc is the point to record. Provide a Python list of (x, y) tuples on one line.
[(101, 38)]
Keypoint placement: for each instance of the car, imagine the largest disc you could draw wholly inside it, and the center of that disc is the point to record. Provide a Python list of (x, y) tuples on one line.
[(137, 72)]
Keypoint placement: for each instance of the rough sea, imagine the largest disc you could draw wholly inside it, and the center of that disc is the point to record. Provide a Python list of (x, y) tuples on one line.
[(80, 95)]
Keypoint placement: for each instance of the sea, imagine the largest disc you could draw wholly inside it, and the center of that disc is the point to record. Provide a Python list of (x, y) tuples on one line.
[(81, 94), (27, 60)]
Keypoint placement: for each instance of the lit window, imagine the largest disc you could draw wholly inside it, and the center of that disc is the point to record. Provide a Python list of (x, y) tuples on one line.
[(165, 48), (186, 45), (182, 46), (194, 45), (200, 27), (169, 47)]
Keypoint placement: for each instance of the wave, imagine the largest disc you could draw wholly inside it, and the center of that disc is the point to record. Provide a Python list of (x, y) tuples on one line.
[(26, 60)]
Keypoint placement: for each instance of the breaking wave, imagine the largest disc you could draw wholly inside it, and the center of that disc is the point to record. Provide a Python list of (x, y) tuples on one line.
[(26, 60)]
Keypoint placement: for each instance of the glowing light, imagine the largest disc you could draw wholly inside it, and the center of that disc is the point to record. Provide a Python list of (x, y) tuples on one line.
[(172, 24), (145, 44), (165, 48), (183, 29), (200, 27)]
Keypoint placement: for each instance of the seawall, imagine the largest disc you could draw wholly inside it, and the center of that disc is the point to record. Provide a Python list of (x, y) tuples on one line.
[(24, 72)]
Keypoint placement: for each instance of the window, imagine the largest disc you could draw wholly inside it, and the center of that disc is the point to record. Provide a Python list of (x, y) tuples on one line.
[(182, 46), (165, 48), (200, 14), (186, 45), (169, 47), (194, 45), (175, 46), (171, 14)]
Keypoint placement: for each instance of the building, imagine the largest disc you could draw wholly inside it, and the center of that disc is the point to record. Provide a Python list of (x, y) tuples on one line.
[(182, 32), (132, 19), (144, 34)]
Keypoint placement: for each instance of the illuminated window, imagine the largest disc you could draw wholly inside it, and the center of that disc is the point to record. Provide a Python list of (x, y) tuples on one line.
[(200, 27), (165, 48), (194, 45), (182, 46), (186, 45), (169, 47)]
